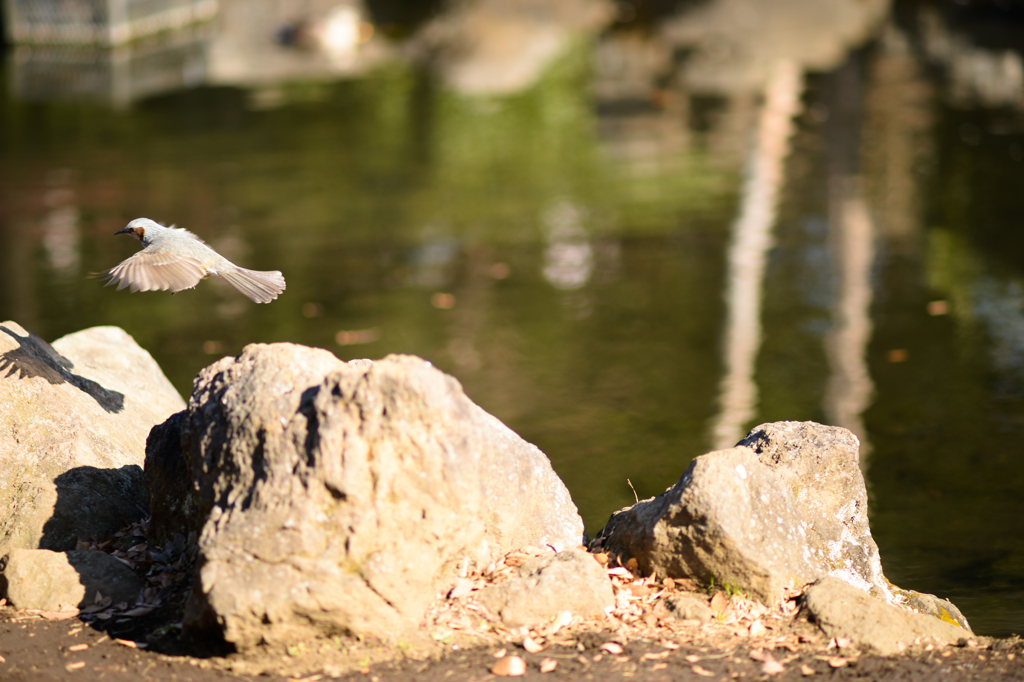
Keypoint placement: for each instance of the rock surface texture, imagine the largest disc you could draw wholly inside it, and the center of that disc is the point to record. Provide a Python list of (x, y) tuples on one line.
[(842, 610), (784, 508), (74, 418), (340, 497)]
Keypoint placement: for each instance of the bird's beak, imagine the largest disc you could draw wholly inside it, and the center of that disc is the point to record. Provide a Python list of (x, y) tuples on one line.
[(124, 230)]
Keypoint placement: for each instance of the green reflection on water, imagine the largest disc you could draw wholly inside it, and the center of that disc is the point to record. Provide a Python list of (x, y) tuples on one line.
[(946, 505)]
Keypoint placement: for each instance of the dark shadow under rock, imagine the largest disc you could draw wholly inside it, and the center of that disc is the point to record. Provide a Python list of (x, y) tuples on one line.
[(93, 502), (168, 480)]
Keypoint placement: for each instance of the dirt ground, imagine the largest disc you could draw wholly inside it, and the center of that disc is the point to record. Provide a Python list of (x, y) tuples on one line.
[(35, 649), (642, 639)]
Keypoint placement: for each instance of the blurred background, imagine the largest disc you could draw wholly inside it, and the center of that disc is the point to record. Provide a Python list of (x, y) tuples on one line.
[(632, 229)]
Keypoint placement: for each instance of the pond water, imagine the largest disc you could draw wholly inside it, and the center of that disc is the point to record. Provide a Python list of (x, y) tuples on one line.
[(627, 282)]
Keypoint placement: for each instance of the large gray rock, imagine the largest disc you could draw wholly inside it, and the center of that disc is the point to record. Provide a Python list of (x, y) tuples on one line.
[(568, 581), (339, 497), (784, 508), (56, 581), (842, 610), (73, 423)]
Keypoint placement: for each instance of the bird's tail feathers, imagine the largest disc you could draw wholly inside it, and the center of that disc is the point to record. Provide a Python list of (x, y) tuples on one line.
[(260, 286)]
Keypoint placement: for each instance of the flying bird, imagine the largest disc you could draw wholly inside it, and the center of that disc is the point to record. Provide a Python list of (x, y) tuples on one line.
[(174, 259)]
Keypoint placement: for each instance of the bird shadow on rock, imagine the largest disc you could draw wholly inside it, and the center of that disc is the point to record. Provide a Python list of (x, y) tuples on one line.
[(36, 358), (94, 502)]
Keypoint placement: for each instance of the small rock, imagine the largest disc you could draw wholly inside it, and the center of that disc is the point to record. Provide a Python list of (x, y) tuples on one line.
[(567, 581), (687, 607), (844, 612), (51, 581)]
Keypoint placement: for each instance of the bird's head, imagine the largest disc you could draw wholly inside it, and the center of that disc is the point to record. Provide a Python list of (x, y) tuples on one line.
[(138, 227)]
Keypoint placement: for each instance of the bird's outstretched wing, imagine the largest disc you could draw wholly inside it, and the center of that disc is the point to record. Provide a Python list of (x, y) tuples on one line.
[(156, 269)]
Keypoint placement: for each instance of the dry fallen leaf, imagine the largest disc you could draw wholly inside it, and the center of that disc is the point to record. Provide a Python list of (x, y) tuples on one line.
[(772, 667), (561, 620), (510, 666), (806, 670), (758, 655), (692, 658), (719, 602), (58, 615), (500, 653), (757, 629), (837, 662), (532, 645), (612, 648), (548, 664), (702, 672)]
